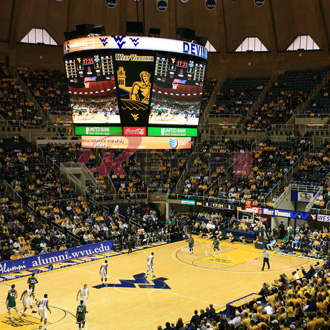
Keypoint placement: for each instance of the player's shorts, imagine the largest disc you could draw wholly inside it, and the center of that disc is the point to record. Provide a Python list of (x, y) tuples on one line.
[(81, 319), (43, 313), (11, 305), (27, 302), (150, 267), (103, 274)]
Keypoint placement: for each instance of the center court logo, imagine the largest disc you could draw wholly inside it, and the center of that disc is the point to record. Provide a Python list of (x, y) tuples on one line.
[(138, 282)]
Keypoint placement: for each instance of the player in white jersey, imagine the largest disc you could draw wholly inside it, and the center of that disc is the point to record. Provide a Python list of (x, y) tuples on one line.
[(104, 272), (42, 309), (84, 295), (27, 296), (150, 265)]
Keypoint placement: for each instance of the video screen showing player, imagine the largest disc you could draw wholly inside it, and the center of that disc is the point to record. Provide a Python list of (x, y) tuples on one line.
[(92, 88), (95, 110), (177, 91)]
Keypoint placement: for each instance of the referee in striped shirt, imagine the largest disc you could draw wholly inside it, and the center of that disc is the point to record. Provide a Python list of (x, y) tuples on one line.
[(266, 259)]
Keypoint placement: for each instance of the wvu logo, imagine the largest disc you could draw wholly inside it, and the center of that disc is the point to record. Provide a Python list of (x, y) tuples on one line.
[(135, 116), (104, 41), (119, 41), (173, 60), (140, 281), (135, 41), (17, 322), (79, 59)]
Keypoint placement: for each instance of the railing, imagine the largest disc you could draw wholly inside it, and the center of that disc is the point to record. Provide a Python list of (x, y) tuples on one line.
[(15, 194), (312, 201)]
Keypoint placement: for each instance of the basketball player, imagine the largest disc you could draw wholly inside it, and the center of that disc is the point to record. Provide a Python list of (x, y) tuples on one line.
[(84, 295), (33, 281), (215, 244), (150, 265), (104, 272), (42, 309), (11, 301), (27, 301), (81, 315), (191, 244)]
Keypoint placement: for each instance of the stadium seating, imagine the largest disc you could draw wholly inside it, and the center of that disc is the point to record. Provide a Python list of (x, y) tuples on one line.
[(49, 88), (288, 92), (237, 95), (15, 107)]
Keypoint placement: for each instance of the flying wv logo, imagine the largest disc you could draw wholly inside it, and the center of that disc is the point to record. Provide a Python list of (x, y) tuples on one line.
[(140, 281), (135, 116), (135, 41), (119, 41), (104, 41)]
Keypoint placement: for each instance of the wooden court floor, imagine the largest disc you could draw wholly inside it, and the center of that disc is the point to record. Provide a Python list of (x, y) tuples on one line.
[(184, 283)]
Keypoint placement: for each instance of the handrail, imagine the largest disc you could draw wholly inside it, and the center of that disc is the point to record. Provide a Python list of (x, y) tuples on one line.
[(312, 201), (15, 193)]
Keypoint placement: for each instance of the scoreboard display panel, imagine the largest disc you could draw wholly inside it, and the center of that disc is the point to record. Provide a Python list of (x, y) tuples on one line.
[(138, 84), (92, 88), (177, 90)]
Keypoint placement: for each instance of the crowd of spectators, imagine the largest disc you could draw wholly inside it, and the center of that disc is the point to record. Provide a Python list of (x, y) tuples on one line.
[(49, 88), (211, 161), (31, 177), (237, 95), (289, 91), (15, 107), (166, 167), (320, 105), (270, 161), (315, 171)]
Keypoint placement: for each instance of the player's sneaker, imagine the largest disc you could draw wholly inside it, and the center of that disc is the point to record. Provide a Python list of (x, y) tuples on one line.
[(40, 327), (33, 311), (145, 276), (23, 315), (153, 276)]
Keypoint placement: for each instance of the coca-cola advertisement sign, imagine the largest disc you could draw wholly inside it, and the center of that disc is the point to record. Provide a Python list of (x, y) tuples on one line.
[(135, 131)]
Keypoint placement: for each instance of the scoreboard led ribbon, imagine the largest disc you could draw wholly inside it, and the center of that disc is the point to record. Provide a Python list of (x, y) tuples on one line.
[(138, 43)]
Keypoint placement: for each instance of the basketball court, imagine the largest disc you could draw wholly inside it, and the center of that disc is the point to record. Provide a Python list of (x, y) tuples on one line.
[(184, 283)]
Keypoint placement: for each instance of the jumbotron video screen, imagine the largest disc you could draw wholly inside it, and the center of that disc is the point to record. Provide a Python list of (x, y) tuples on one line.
[(125, 82)]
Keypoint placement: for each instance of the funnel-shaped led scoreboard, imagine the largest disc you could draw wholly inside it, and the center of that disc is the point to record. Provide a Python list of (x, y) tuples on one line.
[(135, 86)]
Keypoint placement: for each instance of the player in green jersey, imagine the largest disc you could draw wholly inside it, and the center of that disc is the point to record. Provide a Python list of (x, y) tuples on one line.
[(11, 301), (215, 244), (32, 280), (81, 315), (191, 244)]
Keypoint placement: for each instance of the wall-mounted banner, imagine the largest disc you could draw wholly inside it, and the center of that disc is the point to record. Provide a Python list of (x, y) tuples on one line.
[(324, 218), (111, 3), (302, 196), (210, 4), (259, 3), (162, 5), (53, 257), (184, 1)]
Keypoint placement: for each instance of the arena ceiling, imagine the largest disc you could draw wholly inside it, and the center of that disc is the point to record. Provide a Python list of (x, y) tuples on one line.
[(277, 23)]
